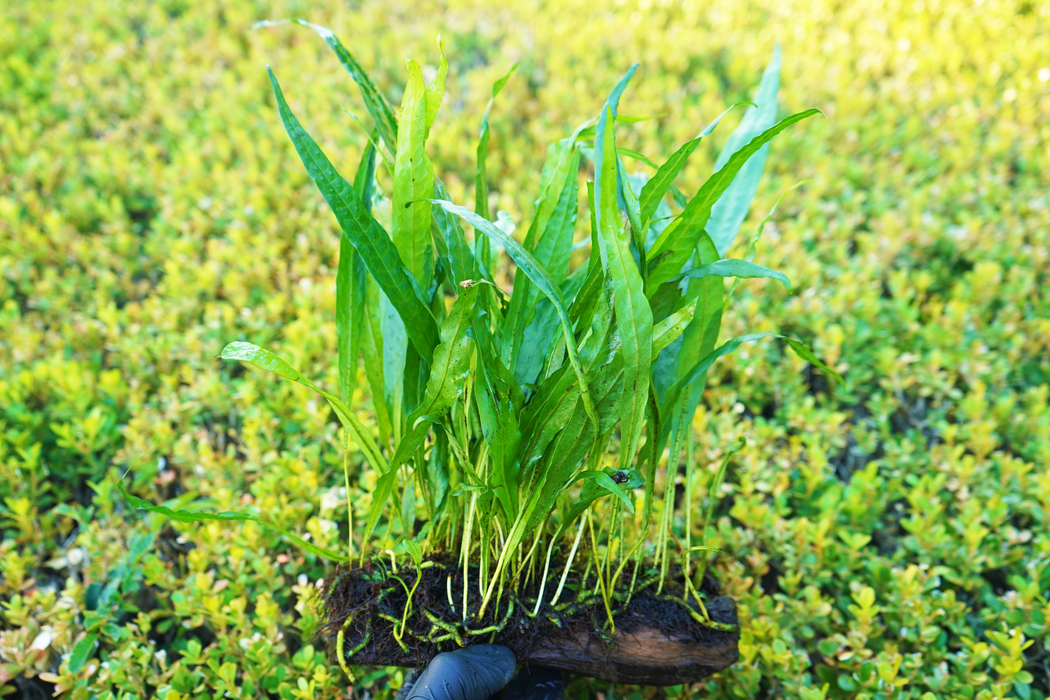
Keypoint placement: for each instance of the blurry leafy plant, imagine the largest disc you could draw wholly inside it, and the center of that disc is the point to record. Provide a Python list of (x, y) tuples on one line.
[(130, 252)]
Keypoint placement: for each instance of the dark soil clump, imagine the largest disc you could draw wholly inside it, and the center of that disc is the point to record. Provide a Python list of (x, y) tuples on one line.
[(657, 641)]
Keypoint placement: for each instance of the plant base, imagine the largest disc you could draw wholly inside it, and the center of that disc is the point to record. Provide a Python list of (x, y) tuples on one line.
[(658, 640)]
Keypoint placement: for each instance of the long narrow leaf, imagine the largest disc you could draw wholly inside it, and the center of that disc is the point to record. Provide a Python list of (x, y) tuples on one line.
[(701, 367), (634, 318), (451, 357), (264, 359), (736, 268), (698, 370), (435, 92), (655, 189), (350, 286), (413, 182), (551, 235), (372, 243), (732, 207), (375, 103), (189, 516), (680, 238)]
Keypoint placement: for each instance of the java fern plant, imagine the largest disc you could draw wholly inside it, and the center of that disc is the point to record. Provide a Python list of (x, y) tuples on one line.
[(509, 426)]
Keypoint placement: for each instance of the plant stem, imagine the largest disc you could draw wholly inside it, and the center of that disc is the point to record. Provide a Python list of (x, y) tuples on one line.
[(465, 553), (688, 506), (568, 564), (543, 581), (499, 567), (601, 582), (349, 504)]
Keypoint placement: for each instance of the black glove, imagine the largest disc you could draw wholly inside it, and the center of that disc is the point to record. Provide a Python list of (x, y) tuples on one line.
[(471, 673), (536, 684)]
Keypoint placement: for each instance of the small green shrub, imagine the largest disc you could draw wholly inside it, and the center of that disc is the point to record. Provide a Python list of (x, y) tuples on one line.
[(152, 210)]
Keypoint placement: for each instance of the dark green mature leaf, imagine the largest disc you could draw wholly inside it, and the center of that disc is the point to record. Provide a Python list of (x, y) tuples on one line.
[(732, 207), (701, 335), (680, 238), (527, 264), (413, 182), (372, 353), (461, 260), (187, 516), (375, 103), (380, 497), (264, 359), (418, 428), (572, 444), (451, 358), (542, 333), (499, 424), (634, 318), (600, 483), (350, 281), (655, 188), (368, 237), (550, 238), (447, 378), (701, 367), (437, 473), (736, 268), (557, 396)]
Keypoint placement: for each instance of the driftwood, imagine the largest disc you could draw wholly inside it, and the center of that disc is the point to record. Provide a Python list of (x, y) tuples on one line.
[(643, 653)]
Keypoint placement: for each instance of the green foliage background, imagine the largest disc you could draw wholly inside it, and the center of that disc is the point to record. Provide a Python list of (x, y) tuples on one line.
[(889, 539)]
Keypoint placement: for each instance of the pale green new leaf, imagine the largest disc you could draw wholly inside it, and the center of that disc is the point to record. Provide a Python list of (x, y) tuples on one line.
[(413, 182), (482, 249), (436, 90), (732, 207)]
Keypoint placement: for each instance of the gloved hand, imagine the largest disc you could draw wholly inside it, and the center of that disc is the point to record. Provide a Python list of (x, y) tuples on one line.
[(476, 673)]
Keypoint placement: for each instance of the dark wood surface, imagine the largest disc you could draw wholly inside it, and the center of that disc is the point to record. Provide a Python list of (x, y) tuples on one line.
[(645, 655)]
